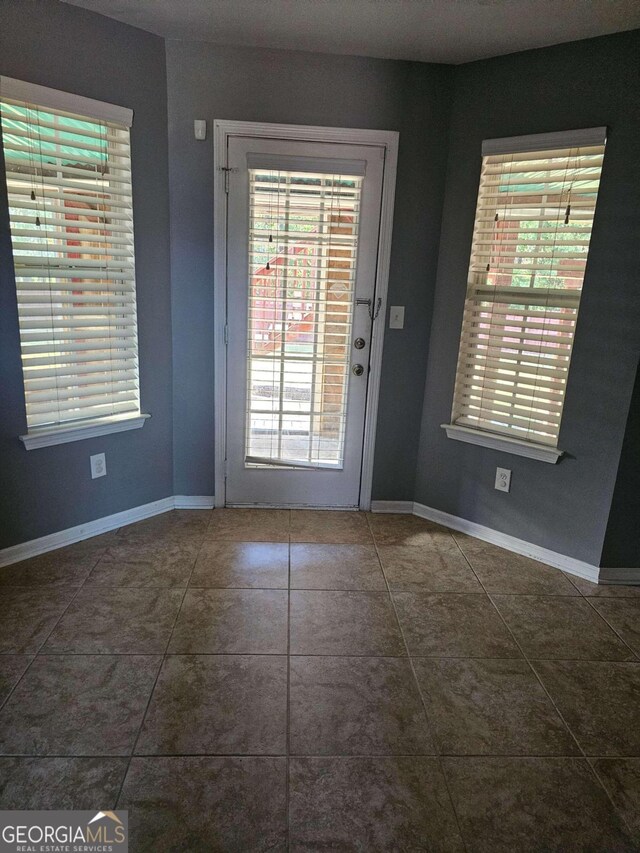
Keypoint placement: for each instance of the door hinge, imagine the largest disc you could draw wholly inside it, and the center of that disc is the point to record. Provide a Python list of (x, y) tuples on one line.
[(226, 335)]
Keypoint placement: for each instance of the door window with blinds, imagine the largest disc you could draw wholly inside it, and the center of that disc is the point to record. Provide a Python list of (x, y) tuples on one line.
[(534, 215), (68, 173), (303, 233)]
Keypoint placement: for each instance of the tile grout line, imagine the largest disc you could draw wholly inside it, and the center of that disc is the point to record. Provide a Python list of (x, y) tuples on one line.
[(636, 655), (516, 756), (314, 655), (585, 757), (522, 652), (591, 762), (38, 651), (432, 728), (163, 658), (439, 754)]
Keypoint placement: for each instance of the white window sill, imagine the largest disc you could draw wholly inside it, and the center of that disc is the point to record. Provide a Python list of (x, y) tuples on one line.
[(541, 452), (64, 434)]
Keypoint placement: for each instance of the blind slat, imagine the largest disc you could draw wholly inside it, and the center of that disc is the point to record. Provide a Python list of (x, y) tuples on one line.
[(70, 210)]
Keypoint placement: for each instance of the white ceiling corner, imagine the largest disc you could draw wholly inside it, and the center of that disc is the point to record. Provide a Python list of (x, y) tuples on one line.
[(449, 31)]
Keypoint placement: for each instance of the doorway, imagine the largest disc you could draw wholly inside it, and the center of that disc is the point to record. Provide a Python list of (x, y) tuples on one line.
[(304, 293)]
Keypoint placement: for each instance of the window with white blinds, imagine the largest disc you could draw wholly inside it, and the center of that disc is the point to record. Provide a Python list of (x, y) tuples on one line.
[(68, 172), (302, 264), (533, 223)]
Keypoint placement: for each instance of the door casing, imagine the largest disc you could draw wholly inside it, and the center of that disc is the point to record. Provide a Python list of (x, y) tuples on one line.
[(386, 140)]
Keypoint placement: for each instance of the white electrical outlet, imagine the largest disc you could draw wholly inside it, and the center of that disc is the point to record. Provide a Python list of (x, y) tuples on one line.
[(98, 465), (396, 317), (503, 479)]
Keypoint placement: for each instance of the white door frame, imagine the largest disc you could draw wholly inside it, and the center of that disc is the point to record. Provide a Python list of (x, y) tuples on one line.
[(386, 139)]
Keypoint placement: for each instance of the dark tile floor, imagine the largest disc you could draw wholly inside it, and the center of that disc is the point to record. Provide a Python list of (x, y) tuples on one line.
[(245, 680)]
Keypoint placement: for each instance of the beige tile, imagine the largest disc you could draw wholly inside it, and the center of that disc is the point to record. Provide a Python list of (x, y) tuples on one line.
[(224, 704), (376, 805), (336, 567), (621, 779), (242, 564), (531, 805), (599, 701), (116, 620), (329, 526), (67, 566), (344, 623), (560, 627), (60, 783), (12, 668), (29, 615), (231, 621), (438, 569), (356, 706), (399, 529), (249, 525), (146, 563), (78, 705), (623, 614), (453, 625), (174, 525), (198, 803), (503, 571), (604, 590), (490, 707)]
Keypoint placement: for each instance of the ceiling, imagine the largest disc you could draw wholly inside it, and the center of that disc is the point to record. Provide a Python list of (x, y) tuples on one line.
[(451, 31)]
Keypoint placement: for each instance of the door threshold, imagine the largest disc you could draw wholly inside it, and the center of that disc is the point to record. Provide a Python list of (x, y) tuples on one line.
[(292, 506)]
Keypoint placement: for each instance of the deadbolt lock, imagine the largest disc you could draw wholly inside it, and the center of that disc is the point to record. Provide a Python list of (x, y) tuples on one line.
[(359, 343), (357, 369)]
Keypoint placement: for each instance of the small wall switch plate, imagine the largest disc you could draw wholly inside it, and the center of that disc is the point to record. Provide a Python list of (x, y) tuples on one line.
[(200, 129), (98, 465), (396, 317), (503, 479)]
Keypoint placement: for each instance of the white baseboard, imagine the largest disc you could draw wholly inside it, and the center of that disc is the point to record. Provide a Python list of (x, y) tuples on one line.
[(405, 507), (193, 501), (24, 550), (511, 543)]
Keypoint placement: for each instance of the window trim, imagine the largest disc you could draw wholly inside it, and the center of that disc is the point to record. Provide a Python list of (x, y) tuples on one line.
[(517, 446), (49, 436), (516, 145), (43, 96), (46, 97)]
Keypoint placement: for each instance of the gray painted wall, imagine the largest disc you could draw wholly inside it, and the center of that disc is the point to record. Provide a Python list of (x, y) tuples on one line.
[(567, 507), (46, 490), (207, 81), (564, 507)]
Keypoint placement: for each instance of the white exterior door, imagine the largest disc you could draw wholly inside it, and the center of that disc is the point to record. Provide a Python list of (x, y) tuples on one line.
[(302, 245)]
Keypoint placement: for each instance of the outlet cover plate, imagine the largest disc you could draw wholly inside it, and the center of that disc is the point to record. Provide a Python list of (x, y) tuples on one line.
[(503, 479), (98, 465)]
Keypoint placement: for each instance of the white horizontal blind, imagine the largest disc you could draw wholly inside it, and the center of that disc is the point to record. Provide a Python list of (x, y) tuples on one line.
[(70, 207), (302, 265), (533, 224)]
